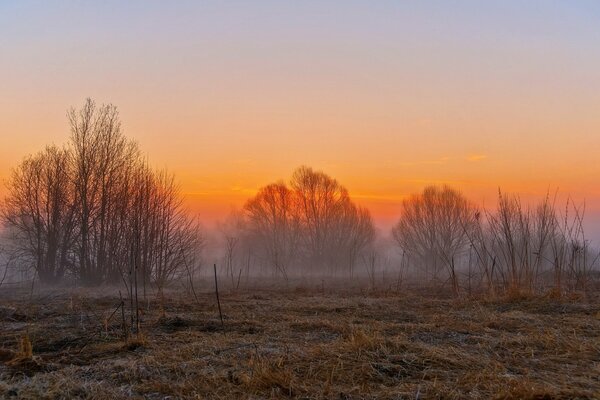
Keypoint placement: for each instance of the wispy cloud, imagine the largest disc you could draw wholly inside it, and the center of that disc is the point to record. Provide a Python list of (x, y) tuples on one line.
[(476, 157)]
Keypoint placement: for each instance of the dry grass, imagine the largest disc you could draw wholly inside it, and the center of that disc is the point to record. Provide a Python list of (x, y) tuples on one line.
[(303, 345)]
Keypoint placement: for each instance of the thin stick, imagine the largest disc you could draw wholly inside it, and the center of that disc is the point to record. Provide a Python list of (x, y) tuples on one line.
[(217, 292), (137, 307), (32, 283), (190, 274), (113, 313), (131, 261), (238, 281), (123, 316)]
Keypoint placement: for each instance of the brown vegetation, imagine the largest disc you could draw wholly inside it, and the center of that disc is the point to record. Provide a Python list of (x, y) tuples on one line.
[(523, 321), (515, 248), (306, 344)]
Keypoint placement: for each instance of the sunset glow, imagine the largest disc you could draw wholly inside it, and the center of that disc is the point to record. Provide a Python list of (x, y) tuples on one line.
[(315, 199), (386, 97)]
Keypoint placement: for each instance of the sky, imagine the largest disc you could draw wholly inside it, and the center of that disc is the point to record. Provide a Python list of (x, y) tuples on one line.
[(387, 96)]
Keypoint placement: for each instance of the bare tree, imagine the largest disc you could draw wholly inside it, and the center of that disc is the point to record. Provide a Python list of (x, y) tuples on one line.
[(178, 237), (233, 242), (274, 222), (520, 239), (39, 212), (433, 229), (310, 224), (517, 247), (103, 161), (97, 211), (334, 230), (361, 234)]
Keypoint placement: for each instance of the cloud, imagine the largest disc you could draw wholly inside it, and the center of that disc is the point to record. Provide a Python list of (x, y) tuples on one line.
[(441, 160), (476, 157)]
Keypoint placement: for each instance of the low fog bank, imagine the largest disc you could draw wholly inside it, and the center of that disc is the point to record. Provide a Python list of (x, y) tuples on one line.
[(94, 213), (441, 243), (385, 267)]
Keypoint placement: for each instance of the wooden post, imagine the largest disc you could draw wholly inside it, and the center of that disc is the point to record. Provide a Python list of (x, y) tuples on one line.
[(217, 292)]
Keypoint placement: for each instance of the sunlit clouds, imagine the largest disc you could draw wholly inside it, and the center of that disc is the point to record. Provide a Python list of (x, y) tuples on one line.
[(476, 157)]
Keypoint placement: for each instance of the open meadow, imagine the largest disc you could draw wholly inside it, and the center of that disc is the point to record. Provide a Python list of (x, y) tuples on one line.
[(305, 343), (300, 200)]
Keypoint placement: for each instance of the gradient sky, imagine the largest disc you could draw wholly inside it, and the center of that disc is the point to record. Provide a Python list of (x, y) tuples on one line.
[(386, 96)]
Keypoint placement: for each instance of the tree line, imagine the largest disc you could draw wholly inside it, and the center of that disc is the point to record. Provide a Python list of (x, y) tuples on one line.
[(309, 225), (514, 248), (93, 211)]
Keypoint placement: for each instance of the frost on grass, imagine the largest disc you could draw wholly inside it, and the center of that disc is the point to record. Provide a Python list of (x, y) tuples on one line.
[(303, 344)]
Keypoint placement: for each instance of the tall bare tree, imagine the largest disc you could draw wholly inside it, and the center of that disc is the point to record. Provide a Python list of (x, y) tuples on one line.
[(96, 210), (312, 224), (39, 212), (433, 228), (103, 161), (274, 221)]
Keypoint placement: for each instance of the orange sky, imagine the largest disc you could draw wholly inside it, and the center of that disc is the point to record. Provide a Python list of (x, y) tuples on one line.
[(387, 98)]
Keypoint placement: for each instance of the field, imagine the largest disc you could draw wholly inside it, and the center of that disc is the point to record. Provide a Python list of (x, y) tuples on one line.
[(301, 343)]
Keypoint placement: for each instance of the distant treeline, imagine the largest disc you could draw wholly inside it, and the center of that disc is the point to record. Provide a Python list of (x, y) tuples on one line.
[(513, 248), (94, 212), (309, 226)]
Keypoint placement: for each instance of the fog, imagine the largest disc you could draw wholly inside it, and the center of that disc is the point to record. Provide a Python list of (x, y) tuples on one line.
[(94, 212)]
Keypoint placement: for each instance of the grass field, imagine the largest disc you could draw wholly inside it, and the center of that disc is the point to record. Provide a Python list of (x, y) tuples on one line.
[(301, 344)]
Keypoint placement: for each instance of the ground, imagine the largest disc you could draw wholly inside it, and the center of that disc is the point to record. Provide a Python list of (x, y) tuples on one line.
[(300, 343)]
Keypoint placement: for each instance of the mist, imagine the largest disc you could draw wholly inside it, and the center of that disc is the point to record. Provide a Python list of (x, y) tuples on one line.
[(100, 259)]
